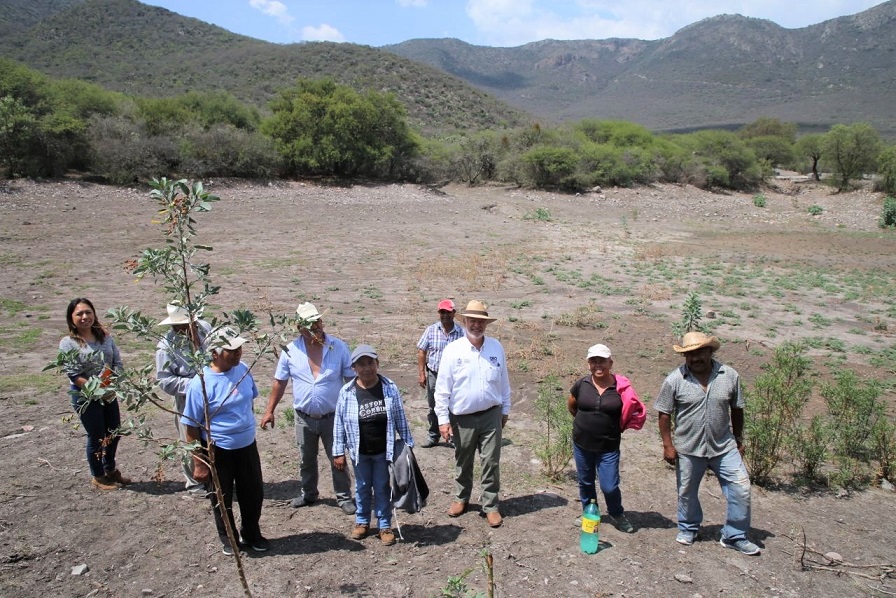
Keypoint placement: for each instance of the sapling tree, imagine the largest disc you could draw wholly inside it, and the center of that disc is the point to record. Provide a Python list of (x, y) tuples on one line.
[(186, 282)]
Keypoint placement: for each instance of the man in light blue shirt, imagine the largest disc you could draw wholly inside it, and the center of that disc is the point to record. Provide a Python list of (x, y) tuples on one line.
[(472, 405), (318, 365)]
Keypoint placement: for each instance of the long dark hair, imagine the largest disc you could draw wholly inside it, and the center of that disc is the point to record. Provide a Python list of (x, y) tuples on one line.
[(98, 331)]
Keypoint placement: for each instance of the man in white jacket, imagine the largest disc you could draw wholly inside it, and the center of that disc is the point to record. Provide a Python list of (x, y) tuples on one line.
[(175, 369)]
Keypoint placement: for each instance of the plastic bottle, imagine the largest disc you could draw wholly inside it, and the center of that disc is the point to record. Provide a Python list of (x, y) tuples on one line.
[(589, 539)]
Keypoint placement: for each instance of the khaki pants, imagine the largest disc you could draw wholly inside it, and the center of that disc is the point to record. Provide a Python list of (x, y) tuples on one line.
[(478, 431)]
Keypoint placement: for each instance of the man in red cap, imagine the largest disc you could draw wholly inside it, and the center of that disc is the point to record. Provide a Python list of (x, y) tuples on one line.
[(429, 353)]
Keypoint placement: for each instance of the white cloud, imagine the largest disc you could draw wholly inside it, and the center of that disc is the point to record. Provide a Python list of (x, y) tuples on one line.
[(274, 9), (323, 33), (515, 22), (413, 3)]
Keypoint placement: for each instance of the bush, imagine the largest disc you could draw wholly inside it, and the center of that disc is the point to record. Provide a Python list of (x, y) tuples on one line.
[(123, 152), (773, 408), (888, 216), (691, 316), (809, 447), (815, 210), (551, 167), (554, 445), (224, 150), (886, 169), (855, 408), (883, 448), (759, 200)]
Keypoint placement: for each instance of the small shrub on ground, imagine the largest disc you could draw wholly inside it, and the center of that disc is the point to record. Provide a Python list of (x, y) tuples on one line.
[(540, 214), (691, 316), (759, 200), (809, 447), (883, 448), (815, 210), (888, 217), (554, 445), (773, 408)]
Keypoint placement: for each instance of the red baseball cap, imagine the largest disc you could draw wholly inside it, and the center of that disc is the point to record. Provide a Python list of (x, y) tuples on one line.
[(446, 304)]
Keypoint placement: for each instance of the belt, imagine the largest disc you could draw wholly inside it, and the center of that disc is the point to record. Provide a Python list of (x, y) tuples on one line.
[(436, 372), (309, 416)]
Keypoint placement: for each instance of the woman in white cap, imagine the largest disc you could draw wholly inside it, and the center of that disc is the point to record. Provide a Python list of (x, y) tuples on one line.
[(368, 414), (603, 405)]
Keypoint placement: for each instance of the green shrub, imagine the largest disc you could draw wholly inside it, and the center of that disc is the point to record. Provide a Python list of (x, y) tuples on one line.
[(773, 408), (540, 214), (883, 448), (691, 316), (554, 445), (551, 167), (888, 217), (815, 210), (855, 408), (809, 447), (759, 200)]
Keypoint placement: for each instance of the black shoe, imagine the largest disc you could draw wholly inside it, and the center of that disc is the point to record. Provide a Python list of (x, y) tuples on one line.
[(225, 546), (301, 501), (348, 508), (429, 443), (260, 544)]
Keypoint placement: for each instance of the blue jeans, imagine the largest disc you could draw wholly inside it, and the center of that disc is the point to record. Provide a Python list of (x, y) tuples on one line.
[(372, 478), (99, 419), (735, 482), (606, 468)]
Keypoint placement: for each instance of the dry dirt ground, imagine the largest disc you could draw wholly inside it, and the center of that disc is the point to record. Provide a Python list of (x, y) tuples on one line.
[(561, 272)]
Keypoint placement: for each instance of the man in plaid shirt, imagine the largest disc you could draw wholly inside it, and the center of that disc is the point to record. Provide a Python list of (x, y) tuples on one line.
[(429, 353)]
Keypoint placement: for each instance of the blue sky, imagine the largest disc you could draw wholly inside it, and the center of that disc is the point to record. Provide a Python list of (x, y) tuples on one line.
[(488, 22)]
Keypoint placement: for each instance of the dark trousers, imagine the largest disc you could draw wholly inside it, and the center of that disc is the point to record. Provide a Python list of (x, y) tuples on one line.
[(431, 417), (99, 419), (240, 468)]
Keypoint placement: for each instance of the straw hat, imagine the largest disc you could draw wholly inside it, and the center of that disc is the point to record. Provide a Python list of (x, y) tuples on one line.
[(693, 341), (478, 310), (176, 315)]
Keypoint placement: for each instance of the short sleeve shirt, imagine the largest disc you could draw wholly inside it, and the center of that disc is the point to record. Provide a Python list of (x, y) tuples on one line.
[(596, 426), (702, 418)]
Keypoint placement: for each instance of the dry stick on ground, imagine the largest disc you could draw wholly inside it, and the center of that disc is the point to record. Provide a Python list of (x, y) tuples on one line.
[(884, 570)]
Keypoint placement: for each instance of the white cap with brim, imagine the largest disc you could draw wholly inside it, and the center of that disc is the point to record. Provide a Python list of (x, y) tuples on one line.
[(226, 338), (599, 351)]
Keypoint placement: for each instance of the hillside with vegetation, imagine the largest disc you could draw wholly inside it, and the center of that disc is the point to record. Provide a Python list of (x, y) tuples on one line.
[(127, 46), (723, 71)]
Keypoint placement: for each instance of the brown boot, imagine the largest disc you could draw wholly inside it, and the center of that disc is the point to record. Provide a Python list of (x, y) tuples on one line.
[(102, 482), (116, 477)]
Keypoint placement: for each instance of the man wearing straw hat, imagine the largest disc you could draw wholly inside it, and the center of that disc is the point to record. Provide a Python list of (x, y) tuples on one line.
[(174, 370), (318, 365), (705, 398), (472, 406)]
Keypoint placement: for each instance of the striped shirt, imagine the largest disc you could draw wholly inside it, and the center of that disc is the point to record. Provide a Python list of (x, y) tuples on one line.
[(434, 340)]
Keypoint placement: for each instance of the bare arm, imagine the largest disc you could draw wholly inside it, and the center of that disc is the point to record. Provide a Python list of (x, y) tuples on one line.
[(572, 406), (277, 390), (737, 426), (200, 467), (421, 368), (665, 425)]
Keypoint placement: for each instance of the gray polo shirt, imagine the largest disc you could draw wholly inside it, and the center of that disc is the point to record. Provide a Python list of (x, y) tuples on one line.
[(702, 419)]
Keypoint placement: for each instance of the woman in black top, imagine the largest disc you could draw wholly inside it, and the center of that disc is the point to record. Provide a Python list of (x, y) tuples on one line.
[(603, 405)]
